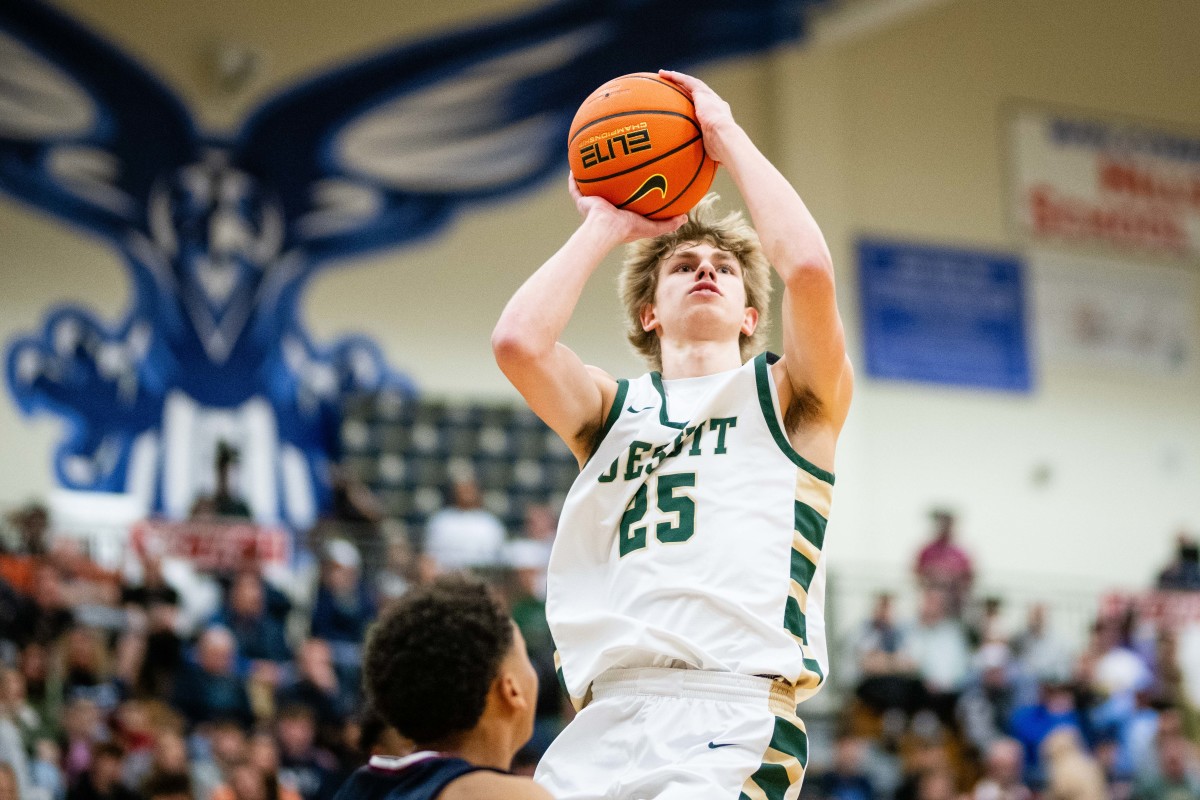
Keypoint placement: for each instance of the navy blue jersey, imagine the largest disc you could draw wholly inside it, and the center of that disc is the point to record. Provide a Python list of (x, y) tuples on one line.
[(420, 776)]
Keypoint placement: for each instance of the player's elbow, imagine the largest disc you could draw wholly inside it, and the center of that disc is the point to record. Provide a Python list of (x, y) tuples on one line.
[(513, 346), (807, 272)]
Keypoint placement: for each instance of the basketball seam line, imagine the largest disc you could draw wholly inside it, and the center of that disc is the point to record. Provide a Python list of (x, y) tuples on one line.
[(688, 143), (598, 120), (666, 83)]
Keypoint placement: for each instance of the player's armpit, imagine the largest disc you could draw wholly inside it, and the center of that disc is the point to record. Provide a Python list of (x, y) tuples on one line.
[(570, 397), (494, 786)]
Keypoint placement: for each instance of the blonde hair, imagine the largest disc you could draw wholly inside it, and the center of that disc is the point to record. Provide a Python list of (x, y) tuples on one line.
[(638, 281)]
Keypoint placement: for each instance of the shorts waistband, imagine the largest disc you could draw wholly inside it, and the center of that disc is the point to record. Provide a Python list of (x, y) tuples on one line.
[(697, 684)]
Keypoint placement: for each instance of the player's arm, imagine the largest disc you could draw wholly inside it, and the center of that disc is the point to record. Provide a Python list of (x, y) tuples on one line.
[(814, 343), (568, 396)]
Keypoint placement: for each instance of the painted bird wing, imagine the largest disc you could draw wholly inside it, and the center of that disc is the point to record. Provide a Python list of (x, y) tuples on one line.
[(388, 148), (84, 129)]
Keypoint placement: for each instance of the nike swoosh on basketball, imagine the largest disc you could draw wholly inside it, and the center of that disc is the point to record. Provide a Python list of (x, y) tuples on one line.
[(714, 745), (654, 182)]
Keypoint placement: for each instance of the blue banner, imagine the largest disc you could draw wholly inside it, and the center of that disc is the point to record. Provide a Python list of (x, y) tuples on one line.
[(943, 315)]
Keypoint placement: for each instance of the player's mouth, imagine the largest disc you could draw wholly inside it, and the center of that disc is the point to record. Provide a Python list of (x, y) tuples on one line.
[(705, 287)]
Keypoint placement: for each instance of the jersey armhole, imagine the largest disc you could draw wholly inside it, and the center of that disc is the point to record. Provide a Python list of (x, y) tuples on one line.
[(613, 413), (767, 402)]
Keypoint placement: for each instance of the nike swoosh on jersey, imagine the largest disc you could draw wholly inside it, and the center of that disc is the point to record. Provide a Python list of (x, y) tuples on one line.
[(633, 410), (714, 745), (655, 182)]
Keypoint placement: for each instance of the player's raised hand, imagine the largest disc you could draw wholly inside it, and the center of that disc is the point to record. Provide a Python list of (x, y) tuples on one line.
[(713, 113), (628, 226)]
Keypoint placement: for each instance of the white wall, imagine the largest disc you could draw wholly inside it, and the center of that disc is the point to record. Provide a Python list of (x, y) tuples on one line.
[(896, 133)]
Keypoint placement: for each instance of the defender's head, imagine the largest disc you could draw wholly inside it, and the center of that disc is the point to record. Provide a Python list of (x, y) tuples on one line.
[(446, 659), (708, 278)]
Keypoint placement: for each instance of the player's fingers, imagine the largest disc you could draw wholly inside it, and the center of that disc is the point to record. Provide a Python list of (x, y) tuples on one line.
[(573, 187), (669, 225), (683, 79)]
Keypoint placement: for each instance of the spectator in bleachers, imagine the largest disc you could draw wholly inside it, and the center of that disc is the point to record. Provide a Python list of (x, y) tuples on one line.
[(943, 564), (1182, 574), (315, 687), (312, 770), (169, 757), (9, 788), (1071, 774), (1116, 669), (12, 748), (887, 676), (210, 689), (83, 728), (45, 774), (464, 534), (48, 615), (400, 568), (220, 746), (526, 597), (20, 556), (85, 584), (172, 786), (988, 702), (87, 674), (29, 721), (226, 502), (264, 755), (1030, 725), (848, 779), (260, 635), (937, 645), (540, 526), (988, 624), (1001, 780), (1040, 656), (342, 611), (1176, 775), (102, 781), (152, 612), (43, 690)]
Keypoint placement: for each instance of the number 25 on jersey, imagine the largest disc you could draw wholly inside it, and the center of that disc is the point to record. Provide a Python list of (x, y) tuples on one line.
[(675, 524)]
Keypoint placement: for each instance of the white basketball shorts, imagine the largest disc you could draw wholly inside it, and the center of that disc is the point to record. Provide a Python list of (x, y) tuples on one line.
[(680, 734)]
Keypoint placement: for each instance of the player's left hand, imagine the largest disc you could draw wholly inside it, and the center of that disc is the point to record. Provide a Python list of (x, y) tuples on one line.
[(713, 113)]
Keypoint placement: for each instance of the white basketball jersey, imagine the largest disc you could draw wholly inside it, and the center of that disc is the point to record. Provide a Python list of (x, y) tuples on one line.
[(692, 538)]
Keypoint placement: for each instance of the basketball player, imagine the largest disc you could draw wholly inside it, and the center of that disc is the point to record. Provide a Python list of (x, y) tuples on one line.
[(447, 668), (686, 583)]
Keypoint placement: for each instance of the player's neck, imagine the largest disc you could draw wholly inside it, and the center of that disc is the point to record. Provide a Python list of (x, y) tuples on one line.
[(485, 746), (695, 359)]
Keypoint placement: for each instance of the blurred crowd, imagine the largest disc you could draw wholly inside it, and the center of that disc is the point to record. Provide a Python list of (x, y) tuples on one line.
[(161, 680), (954, 704)]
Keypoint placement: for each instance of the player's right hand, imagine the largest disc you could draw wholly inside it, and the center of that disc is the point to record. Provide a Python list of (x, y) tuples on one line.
[(625, 225)]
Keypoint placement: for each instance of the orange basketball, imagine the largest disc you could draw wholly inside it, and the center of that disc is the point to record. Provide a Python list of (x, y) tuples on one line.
[(635, 142)]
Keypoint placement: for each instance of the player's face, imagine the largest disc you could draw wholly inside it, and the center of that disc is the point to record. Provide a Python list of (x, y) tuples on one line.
[(701, 291)]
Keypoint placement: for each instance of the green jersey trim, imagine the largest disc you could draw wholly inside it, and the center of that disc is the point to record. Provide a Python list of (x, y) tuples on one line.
[(766, 400), (656, 379), (613, 413)]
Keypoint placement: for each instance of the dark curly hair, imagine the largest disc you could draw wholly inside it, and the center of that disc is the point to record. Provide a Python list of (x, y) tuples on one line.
[(432, 656)]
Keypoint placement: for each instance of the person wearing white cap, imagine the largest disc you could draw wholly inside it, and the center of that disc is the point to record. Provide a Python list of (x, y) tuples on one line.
[(343, 608)]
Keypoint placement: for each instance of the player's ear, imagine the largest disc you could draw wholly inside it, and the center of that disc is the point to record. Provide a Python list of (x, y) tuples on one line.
[(749, 321), (509, 690), (648, 317)]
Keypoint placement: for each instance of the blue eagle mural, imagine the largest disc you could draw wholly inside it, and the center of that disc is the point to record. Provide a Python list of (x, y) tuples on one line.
[(222, 232)]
